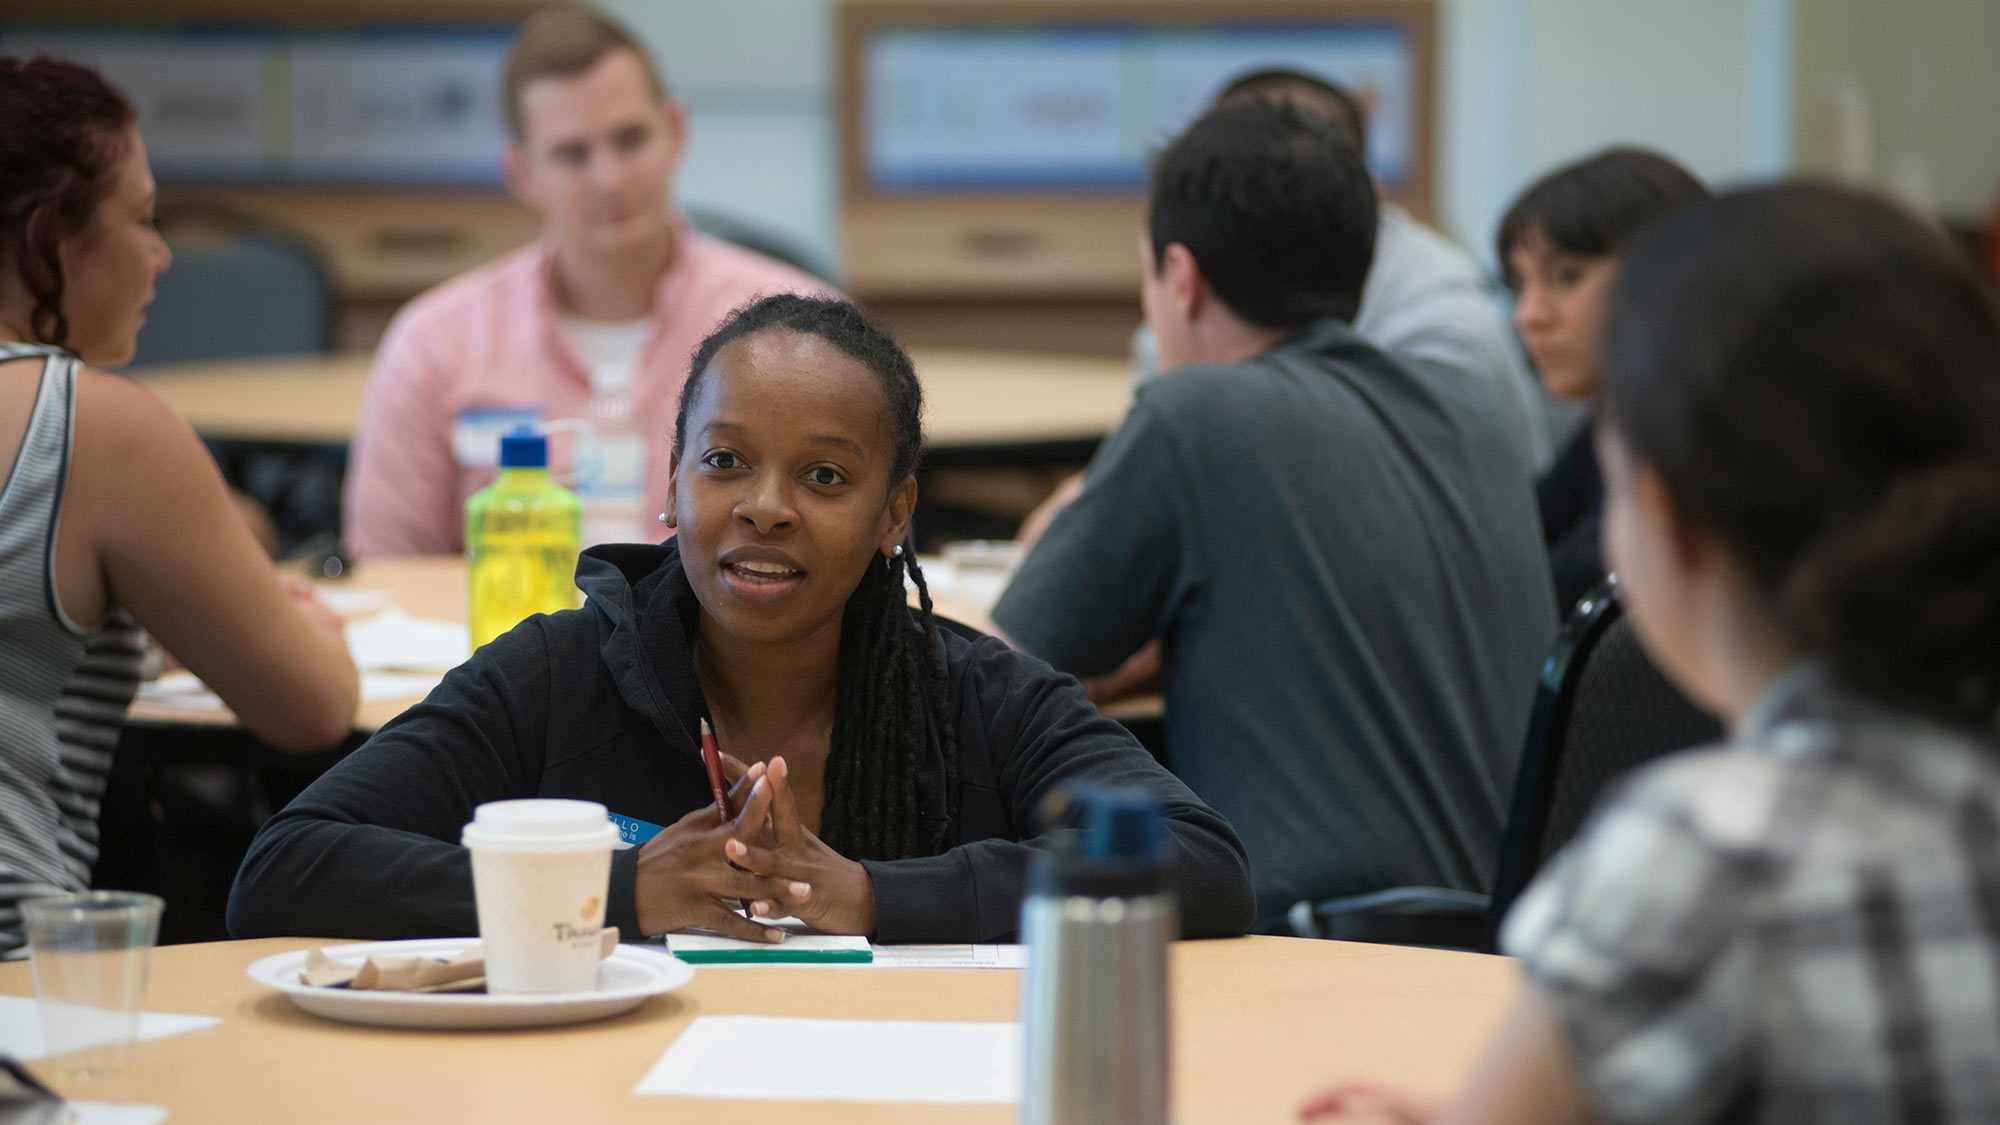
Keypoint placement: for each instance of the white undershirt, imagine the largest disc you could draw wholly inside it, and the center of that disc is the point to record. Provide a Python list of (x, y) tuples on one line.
[(610, 471), (610, 352)]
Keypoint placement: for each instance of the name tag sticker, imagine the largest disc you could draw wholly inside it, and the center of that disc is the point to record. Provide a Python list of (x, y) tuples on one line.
[(475, 433), (632, 831)]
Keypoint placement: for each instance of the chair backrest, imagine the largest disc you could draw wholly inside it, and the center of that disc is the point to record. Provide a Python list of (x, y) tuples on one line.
[(751, 235), (1601, 709), (238, 293)]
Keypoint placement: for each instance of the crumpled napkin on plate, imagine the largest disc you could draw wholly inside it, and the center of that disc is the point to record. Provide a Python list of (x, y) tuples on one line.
[(464, 972)]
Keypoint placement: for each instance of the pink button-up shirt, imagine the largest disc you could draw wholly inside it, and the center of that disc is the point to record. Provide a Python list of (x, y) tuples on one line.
[(492, 339)]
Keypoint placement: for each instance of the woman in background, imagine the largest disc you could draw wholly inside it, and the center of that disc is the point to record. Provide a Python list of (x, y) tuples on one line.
[(111, 510), (1801, 444), (1558, 246)]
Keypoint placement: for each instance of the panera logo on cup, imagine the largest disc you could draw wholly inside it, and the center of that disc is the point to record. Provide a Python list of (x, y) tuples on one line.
[(533, 862), (593, 917)]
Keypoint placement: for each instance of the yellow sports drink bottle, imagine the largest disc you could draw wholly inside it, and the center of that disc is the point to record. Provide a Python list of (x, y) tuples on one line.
[(521, 540)]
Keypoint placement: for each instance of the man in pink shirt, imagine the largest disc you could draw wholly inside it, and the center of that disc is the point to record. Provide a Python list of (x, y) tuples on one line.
[(594, 323)]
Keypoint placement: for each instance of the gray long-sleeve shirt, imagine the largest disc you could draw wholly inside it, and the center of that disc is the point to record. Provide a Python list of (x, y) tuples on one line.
[(1340, 553)]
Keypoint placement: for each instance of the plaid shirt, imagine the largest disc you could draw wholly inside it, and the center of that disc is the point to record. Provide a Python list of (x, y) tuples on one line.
[(1804, 926)]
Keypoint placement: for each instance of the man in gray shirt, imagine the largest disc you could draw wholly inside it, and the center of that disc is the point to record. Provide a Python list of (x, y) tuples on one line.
[(1425, 297), (1336, 549)]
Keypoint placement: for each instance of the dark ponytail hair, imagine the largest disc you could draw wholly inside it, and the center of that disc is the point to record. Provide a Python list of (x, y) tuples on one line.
[(61, 132), (892, 671), (1815, 375), (1596, 206)]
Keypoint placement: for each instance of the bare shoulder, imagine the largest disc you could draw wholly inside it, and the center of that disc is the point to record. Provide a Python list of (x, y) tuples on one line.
[(124, 429), (121, 404)]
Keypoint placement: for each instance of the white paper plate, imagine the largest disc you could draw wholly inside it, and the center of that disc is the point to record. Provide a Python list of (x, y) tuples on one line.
[(624, 979)]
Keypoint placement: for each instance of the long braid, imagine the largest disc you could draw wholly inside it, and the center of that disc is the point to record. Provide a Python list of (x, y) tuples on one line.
[(939, 693), (892, 679), (892, 675)]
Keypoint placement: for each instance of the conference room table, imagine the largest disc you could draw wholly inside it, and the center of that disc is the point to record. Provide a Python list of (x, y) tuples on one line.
[(1257, 1022), (980, 405)]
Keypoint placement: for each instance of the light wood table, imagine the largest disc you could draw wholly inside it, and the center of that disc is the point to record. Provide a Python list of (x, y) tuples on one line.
[(1258, 1022), (974, 398)]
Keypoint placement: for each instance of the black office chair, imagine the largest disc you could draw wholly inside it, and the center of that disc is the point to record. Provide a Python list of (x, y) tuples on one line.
[(1601, 710), (754, 236), (1435, 917), (240, 289), (236, 288)]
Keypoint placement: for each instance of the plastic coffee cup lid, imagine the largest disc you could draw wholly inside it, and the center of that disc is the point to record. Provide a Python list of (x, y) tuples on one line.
[(540, 825)]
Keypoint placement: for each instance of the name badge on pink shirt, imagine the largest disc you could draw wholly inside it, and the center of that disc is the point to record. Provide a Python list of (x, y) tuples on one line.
[(475, 433)]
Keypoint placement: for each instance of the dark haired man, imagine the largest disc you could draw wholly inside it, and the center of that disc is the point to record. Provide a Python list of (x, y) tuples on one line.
[(1425, 298), (596, 321), (1336, 549)]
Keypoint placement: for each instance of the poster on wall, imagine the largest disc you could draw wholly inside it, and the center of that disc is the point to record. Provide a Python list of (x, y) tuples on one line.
[(1069, 107), (396, 107), (388, 106), (204, 105)]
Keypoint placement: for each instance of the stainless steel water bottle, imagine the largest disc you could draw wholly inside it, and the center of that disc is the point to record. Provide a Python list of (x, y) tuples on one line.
[(1097, 919)]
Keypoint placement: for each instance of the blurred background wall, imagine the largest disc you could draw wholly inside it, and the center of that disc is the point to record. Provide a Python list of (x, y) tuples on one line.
[(1734, 88), (1899, 94)]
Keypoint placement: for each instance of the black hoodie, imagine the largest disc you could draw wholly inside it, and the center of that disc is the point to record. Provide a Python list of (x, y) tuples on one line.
[(602, 704)]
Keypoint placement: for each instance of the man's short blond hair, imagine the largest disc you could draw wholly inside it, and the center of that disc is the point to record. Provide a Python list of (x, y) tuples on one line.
[(564, 42)]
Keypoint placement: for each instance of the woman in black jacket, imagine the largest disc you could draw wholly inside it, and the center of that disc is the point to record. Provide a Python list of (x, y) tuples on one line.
[(891, 774), (1558, 246)]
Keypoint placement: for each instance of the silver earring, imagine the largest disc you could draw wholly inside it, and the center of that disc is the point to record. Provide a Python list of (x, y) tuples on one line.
[(896, 552), (663, 517)]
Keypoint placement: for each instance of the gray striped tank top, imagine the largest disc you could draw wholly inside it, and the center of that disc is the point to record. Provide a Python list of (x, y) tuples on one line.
[(63, 689)]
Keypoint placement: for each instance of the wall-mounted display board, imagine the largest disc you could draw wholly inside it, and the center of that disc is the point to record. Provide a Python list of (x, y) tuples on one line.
[(1001, 148), (382, 105), (369, 128)]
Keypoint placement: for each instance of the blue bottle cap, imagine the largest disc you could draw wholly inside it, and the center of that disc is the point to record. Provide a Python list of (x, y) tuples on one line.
[(1122, 848), (1121, 824), (523, 448)]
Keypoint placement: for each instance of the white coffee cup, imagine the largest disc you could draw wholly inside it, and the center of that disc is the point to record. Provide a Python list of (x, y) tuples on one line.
[(540, 873)]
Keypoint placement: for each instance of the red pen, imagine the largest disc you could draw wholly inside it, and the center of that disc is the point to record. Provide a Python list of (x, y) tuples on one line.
[(711, 759)]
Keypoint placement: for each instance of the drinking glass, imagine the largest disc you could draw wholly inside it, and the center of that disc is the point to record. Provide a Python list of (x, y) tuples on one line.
[(90, 953)]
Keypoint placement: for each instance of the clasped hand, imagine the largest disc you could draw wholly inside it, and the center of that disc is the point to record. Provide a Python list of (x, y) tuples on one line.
[(696, 870)]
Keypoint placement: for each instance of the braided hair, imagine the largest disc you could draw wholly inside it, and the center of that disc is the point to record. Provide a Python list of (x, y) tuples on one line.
[(892, 672), (61, 138)]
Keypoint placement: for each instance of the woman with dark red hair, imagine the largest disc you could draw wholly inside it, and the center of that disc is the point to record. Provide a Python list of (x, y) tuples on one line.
[(112, 515)]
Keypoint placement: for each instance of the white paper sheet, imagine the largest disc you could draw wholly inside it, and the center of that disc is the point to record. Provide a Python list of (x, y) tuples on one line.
[(948, 957), (903, 957), (885, 956), (21, 1027), (378, 686), (349, 600), (705, 941), (108, 1113), (183, 690), (180, 689), (767, 1058), (394, 641)]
